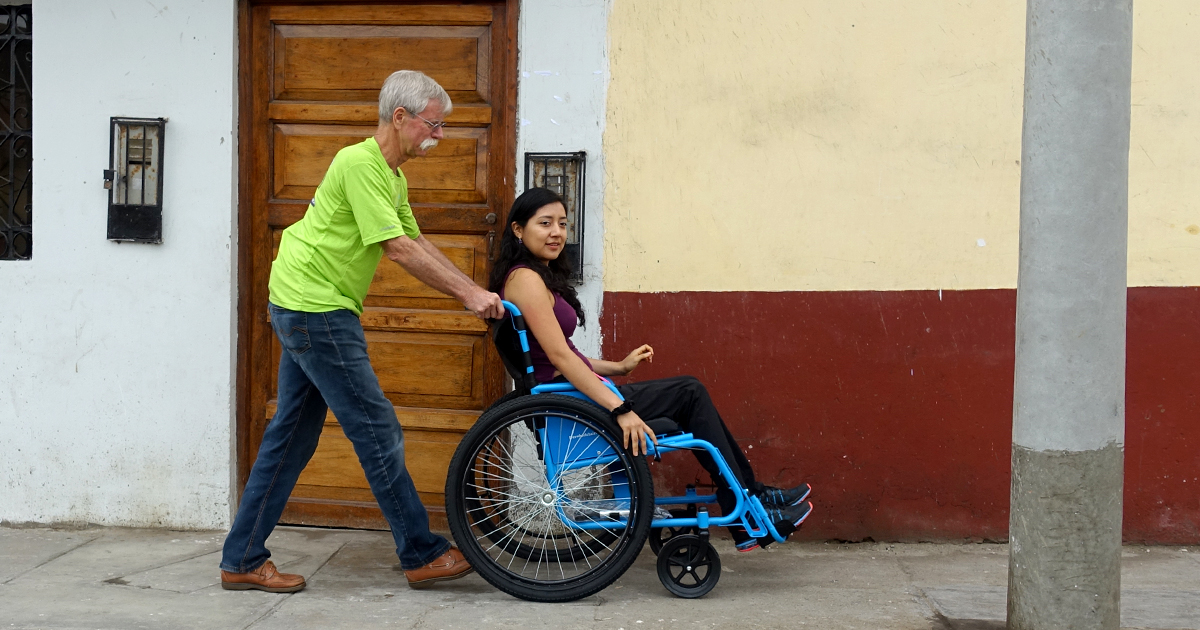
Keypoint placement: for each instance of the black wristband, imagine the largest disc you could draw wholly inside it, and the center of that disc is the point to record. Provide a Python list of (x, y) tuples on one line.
[(623, 409)]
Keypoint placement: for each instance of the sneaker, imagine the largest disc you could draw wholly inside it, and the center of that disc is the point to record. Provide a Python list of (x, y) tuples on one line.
[(788, 519), (742, 540), (779, 497)]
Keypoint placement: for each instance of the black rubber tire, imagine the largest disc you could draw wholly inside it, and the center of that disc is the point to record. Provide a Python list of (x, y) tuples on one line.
[(475, 522), (689, 566), (513, 395), (660, 535)]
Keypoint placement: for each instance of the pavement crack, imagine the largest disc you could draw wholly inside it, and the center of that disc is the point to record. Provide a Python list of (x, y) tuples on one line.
[(922, 598), (268, 612), (940, 621), (49, 560), (335, 552), (121, 581)]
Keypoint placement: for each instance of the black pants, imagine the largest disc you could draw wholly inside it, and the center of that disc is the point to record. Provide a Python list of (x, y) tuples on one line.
[(685, 400)]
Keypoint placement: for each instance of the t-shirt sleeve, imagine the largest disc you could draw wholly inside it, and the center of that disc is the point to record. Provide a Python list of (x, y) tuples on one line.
[(370, 195)]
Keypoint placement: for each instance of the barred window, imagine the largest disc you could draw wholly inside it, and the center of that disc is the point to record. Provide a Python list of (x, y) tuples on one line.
[(16, 132)]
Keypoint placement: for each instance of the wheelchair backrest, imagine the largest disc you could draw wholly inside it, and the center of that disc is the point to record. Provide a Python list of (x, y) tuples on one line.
[(511, 339)]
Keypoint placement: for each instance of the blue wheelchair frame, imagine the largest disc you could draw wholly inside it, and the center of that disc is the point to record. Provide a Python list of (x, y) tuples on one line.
[(748, 510)]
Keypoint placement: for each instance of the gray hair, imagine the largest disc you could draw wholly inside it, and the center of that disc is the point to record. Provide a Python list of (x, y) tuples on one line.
[(411, 90)]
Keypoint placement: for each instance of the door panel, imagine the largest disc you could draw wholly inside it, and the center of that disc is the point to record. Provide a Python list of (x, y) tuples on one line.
[(310, 79), (346, 63)]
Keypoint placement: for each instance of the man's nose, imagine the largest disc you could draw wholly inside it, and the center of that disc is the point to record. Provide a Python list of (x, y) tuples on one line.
[(438, 134)]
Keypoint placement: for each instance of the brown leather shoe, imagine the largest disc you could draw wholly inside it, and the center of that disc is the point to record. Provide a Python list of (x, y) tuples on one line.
[(448, 566), (264, 578)]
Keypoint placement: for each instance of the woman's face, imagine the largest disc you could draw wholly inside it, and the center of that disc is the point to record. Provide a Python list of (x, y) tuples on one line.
[(545, 233)]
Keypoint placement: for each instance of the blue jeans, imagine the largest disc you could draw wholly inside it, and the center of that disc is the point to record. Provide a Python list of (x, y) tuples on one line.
[(324, 365)]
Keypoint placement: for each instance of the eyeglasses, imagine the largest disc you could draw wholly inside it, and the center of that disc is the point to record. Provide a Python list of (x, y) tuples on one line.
[(432, 125)]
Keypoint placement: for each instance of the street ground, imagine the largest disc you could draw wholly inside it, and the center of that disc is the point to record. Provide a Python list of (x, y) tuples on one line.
[(148, 578)]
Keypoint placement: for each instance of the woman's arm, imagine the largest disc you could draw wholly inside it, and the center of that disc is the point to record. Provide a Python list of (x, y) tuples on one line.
[(527, 290), (625, 366)]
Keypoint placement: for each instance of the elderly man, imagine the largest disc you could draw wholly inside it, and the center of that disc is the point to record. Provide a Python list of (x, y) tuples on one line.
[(318, 282)]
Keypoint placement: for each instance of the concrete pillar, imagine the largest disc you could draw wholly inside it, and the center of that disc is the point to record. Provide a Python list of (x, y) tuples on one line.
[(1069, 398)]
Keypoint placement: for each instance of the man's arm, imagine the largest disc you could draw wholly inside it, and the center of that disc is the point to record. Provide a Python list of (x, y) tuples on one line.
[(437, 254), (424, 267)]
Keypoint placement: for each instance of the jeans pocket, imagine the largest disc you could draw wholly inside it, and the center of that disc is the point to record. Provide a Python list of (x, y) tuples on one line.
[(292, 329)]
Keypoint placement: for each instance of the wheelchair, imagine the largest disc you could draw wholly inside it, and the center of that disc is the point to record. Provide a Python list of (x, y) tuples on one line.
[(548, 506)]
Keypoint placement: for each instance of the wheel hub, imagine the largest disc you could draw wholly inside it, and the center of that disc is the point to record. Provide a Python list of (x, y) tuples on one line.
[(548, 498)]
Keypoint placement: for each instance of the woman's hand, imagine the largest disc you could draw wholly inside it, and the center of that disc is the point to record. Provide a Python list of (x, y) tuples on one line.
[(644, 353), (633, 427)]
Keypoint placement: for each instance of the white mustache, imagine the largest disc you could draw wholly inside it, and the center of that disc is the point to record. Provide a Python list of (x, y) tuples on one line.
[(428, 144)]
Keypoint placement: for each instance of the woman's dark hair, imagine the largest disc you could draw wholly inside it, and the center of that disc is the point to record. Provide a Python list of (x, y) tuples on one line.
[(512, 253)]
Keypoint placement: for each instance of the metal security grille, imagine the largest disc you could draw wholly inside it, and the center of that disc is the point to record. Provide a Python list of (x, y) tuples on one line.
[(16, 133)]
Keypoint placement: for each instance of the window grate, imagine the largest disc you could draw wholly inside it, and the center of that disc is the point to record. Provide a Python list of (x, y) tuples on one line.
[(16, 133)]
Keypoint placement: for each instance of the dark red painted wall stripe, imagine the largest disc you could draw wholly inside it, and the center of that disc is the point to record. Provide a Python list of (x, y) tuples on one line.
[(897, 406)]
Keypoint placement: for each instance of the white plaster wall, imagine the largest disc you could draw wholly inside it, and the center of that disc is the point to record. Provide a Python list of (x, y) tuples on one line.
[(116, 360), (563, 65)]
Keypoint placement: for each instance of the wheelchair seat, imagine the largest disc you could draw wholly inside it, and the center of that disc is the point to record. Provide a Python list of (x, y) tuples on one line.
[(663, 426)]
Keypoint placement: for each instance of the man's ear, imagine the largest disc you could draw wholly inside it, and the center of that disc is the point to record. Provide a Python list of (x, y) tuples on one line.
[(398, 115)]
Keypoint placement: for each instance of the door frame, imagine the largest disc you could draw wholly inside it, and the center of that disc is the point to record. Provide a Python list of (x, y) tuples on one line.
[(250, 305)]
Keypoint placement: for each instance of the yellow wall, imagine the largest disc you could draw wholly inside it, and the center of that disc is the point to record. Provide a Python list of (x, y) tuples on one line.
[(1164, 145), (782, 145)]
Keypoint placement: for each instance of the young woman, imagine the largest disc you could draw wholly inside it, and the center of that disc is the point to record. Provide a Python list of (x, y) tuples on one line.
[(532, 274)]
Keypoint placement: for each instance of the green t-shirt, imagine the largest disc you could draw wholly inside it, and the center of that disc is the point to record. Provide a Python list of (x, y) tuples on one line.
[(327, 259)]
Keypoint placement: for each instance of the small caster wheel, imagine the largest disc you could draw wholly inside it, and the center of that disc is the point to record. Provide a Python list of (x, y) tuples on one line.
[(660, 535), (688, 566)]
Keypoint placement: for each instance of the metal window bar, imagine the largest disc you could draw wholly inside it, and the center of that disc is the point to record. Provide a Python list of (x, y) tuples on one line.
[(137, 163), (16, 132)]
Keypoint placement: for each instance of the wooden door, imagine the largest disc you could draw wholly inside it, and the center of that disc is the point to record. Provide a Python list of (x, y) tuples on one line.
[(309, 86)]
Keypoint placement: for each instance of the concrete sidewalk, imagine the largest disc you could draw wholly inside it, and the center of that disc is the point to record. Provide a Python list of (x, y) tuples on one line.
[(138, 578)]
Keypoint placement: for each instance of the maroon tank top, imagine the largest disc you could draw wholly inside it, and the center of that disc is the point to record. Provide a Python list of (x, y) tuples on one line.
[(543, 369)]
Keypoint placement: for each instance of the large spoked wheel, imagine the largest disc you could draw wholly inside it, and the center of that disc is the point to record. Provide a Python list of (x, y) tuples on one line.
[(689, 566), (544, 502)]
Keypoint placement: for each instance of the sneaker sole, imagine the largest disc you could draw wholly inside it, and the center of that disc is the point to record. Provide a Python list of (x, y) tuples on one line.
[(426, 583), (243, 586), (748, 549)]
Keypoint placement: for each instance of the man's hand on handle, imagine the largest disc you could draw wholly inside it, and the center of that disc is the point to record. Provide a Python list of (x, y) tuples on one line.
[(485, 304)]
